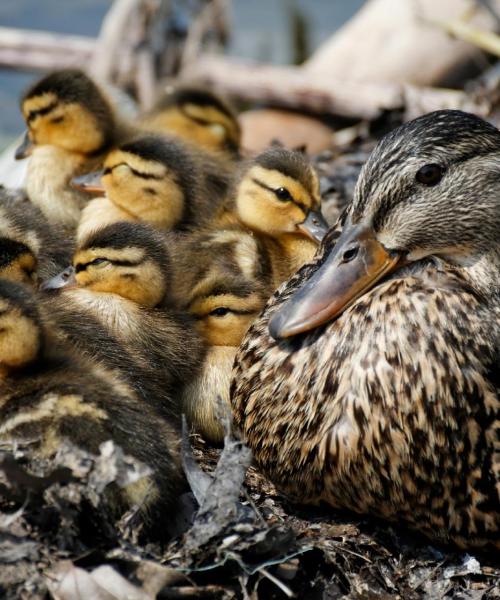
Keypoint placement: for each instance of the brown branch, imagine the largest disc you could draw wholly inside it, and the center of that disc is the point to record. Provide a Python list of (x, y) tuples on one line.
[(27, 49), (294, 87), (112, 37)]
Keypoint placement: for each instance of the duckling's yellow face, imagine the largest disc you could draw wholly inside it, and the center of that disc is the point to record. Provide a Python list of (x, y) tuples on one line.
[(68, 125), (223, 319), (144, 188), (127, 272), (205, 126), (230, 296), (17, 262), (19, 337), (273, 203)]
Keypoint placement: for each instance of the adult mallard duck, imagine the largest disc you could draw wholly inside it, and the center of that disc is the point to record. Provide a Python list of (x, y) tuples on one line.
[(371, 381)]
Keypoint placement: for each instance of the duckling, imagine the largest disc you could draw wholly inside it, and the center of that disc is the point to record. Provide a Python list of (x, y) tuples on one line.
[(114, 307), (196, 115), (278, 199), (48, 393), (223, 279), (71, 126), (371, 379), (158, 180), (29, 248)]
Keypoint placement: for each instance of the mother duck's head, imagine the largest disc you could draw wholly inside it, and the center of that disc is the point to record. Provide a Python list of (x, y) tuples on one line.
[(430, 187)]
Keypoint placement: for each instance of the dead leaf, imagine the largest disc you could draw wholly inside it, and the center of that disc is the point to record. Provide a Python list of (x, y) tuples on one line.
[(68, 582)]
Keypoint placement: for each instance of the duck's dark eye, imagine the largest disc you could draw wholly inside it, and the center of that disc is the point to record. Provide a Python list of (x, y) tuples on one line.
[(220, 312), (98, 261), (282, 194), (430, 174), (57, 120), (350, 254)]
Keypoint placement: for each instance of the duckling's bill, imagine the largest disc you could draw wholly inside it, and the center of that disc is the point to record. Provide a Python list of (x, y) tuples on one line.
[(352, 267), (314, 226), (90, 182), (25, 148), (65, 278)]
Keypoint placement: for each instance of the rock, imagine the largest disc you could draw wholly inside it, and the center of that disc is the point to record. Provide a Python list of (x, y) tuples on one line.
[(260, 127)]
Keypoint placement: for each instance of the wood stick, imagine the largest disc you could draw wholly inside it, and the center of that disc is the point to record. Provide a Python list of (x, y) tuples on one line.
[(294, 87), (111, 37), (31, 50)]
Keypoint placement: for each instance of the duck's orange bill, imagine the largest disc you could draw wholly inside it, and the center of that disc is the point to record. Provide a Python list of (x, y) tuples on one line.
[(90, 182), (354, 265)]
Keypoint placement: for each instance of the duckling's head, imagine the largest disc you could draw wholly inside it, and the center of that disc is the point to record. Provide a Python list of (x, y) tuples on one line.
[(279, 195), (152, 177), (225, 284), (21, 331), (66, 109), (126, 259), (18, 261), (198, 115), (430, 188)]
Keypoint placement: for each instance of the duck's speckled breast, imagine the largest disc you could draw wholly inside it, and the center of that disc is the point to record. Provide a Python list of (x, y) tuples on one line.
[(390, 409)]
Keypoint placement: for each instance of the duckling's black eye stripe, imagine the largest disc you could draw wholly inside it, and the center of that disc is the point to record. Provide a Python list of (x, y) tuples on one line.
[(302, 207), (108, 170), (33, 114), (119, 263), (198, 120), (10, 250), (229, 310)]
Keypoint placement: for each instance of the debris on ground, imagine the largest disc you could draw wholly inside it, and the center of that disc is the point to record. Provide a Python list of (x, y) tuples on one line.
[(246, 541)]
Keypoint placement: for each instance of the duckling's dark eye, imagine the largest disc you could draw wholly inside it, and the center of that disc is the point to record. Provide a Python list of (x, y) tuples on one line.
[(98, 261), (430, 174), (57, 120), (350, 254), (220, 312), (282, 194)]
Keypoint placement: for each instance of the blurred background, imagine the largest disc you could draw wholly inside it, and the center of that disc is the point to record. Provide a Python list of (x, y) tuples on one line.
[(270, 31)]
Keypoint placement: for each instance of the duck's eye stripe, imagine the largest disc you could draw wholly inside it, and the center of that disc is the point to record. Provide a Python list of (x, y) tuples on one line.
[(33, 114), (223, 311), (83, 266), (195, 119), (302, 206), (126, 263), (134, 171), (10, 250), (220, 312), (118, 263)]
